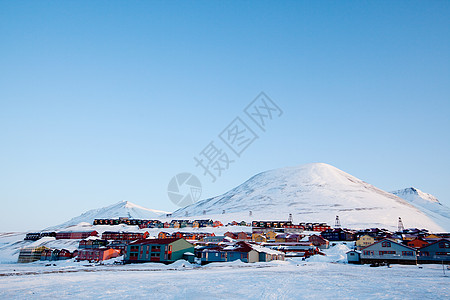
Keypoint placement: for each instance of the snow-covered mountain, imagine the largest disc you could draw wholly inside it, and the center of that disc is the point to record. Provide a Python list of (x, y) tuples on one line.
[(120, 209), (427, 203), (314, 192)]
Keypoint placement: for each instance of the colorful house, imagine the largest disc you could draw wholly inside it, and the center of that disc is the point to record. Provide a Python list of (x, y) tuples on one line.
[(30, 254), (279, 238), (231, 235), (217, 224), (437, 252), (338, 234), (213, 239), (92, 243), (389, 251), (77, 235), (157, 250), (271, 235), (354, 257), (417, 243), (56, 254), (364, 241), (258, 238), (242, 236), (124, 236), (97, 254), (164, 235), (319, 241), (240, 251)]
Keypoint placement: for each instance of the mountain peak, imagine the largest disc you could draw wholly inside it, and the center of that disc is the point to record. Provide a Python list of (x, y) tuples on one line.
[(120, 209), (315, 192), (412, 192)]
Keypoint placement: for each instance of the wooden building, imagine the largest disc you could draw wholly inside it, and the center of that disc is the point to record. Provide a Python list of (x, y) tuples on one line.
[(96, 255), (437, 252), (157, 250), (30, 254), (388, 251)]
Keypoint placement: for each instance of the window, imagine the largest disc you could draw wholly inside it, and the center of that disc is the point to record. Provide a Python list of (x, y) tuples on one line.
[(407, 253), (386, 244), (442, 253), (155, 254), (386, 252), (444, 245), (365, 252)]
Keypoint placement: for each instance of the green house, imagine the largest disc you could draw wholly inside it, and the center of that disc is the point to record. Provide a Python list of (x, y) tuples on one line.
[(157, 250)]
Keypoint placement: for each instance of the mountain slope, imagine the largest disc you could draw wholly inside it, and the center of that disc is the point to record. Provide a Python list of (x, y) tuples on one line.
[(427, 203), (120, 209), (312, 193)]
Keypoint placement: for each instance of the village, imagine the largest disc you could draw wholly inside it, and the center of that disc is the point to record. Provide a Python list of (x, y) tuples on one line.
[(259, 241)]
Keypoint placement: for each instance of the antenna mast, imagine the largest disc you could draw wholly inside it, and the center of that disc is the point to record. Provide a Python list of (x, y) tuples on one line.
[(400, 225), (337, 223)]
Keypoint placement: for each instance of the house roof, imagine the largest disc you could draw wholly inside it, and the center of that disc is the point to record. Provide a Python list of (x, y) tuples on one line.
[(155, 241), (447, 240)]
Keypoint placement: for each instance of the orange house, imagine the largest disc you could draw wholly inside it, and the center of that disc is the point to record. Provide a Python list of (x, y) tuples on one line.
[(217, 224), (164, 235), (97, 254), (417, 243)]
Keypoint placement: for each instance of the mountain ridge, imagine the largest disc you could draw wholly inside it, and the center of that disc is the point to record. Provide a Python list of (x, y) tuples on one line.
[(315, 192), (116, 210)]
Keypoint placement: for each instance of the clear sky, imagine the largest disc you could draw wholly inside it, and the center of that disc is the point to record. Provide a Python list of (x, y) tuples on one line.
[(103, 101)]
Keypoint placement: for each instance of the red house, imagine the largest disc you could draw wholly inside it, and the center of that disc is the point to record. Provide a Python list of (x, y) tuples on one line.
[(319, 241), (217, 224), (320, 227), (97, 254), (75, 235), (243, 236), (231, 235), (417, 243)]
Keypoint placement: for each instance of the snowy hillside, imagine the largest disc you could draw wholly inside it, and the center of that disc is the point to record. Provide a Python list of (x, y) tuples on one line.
[(427, 203), (120, 209), (312, 193)]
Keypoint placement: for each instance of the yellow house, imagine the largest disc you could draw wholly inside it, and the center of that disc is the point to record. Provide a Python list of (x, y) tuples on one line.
[(364, 241), (270, 235), (258, 238), (196, 224), (176, 225)]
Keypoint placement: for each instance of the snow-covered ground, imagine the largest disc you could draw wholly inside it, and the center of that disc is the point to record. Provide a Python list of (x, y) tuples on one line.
[(316, 278), (274, 280)]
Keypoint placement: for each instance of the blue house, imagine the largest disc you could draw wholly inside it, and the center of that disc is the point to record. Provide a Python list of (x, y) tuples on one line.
[(388, 251), (240, 251), (354, 257), (437, 252)]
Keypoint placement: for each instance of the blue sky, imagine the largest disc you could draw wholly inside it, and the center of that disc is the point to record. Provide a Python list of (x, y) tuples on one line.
[(103, 101)]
